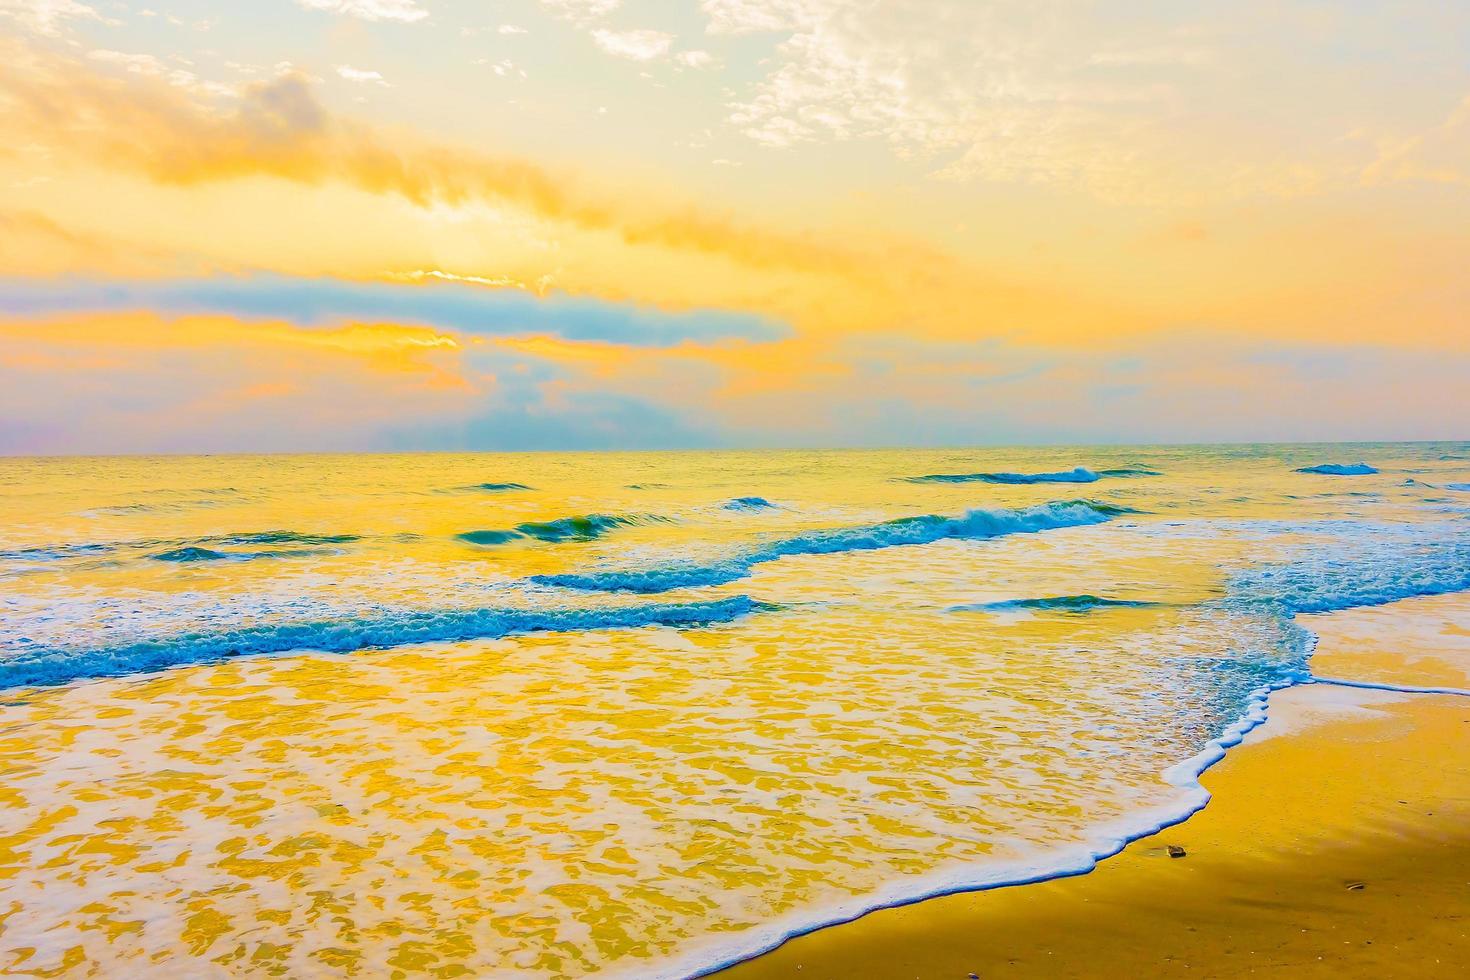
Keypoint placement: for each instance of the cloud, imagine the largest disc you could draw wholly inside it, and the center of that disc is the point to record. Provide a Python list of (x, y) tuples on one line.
[(1186, 107), (404, 11), (47, 17), (695, 59), (537, 406), (152, 381), (279, 129), (153, 67), (1438, 155), (581, 12), (510, 29), (753, 16), (637, 45), (467, 308), (504, 67), (139, 383), (360, 74)]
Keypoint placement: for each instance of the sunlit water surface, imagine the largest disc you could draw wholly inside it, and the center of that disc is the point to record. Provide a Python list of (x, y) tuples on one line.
[(392, 715)]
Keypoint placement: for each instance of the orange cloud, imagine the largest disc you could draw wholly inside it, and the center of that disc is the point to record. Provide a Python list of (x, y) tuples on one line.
[(279, 129)]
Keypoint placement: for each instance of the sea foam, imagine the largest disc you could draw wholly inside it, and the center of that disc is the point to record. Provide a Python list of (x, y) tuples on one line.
[(925, 529), (61, 665)]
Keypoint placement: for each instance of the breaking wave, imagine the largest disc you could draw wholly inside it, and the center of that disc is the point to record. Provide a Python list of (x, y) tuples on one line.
[(1079, 475), (586, 527), (1062, 603), (925, 529), (1345, 578), (1340, 469), (193, 553), (59, 665), (748, 503)]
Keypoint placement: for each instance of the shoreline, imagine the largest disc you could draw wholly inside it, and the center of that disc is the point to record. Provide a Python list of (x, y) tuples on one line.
[(1279, 753)]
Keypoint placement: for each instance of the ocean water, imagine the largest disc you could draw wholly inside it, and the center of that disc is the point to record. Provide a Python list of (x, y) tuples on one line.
[(636, 714)]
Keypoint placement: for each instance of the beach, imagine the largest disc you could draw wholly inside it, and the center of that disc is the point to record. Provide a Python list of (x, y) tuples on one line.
[(1336, 843), (650, 715)]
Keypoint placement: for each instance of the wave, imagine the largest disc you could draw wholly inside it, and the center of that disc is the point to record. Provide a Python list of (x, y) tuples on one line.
[(747, 503), (57, 552), (183, 549), (193, 553), (1330, 580), (34, 668), (189, 554), (926, 529), (166, 507), (584, 527), (1130, 471), (1339, 469), (1108, 840), (1079, 475), (282, 537), (489, 537), (1062, 603), (498, 487), (1462, 487)]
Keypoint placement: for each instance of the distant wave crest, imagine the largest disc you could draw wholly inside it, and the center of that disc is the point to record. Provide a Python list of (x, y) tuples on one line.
[(1061, 603), (193, 553), (925, 529), (57, 552), (748, 503), (1081, 474), (1340, 469), (585, 527)]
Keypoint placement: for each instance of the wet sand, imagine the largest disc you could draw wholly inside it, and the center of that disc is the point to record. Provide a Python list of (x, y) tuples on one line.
[(1337, 843)]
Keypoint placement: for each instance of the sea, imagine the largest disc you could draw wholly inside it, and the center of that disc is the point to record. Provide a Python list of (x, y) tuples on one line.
[(637, 714)]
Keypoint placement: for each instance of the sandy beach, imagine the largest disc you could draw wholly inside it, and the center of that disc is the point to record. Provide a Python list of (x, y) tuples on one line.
[(1336, 843)]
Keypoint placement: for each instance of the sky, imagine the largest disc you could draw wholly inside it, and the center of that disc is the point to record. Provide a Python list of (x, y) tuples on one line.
[(352, 225)]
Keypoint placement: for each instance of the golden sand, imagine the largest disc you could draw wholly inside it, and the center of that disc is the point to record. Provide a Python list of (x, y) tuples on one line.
[(1337, 843)]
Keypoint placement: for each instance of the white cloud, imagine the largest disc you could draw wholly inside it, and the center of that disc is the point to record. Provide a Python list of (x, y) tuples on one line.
[(406, 11), (1440, 155), (360, 74), (695, 59), (1161, 56), (504, 68), (1002, 91), (581, 12), (147, 64), (510, 29), (638, 45), (751, 16), (47, 16)]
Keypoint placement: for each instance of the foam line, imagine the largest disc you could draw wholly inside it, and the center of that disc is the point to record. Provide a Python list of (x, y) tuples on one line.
[(1184, 775), (51, 666), (1400, 688)]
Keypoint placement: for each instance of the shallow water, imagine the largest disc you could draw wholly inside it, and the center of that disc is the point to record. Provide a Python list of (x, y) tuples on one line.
[(555, 714)]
